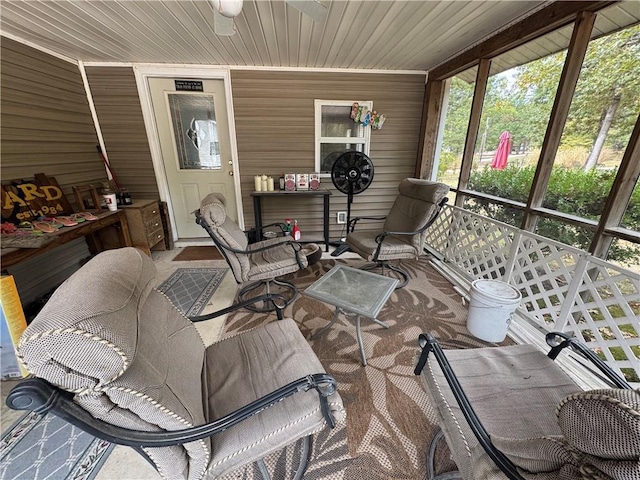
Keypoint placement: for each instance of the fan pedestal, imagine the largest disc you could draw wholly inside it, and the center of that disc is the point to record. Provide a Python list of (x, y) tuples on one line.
[(342, 246), (340, 249)]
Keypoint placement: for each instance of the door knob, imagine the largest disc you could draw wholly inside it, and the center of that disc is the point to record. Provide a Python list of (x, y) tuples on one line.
[(231, 173), (230, 162)]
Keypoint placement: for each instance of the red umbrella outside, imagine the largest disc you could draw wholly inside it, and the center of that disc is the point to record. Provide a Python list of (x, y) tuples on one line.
[(502, 153)]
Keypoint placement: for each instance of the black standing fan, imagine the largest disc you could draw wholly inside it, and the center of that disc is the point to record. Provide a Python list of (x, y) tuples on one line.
[(352, 173)]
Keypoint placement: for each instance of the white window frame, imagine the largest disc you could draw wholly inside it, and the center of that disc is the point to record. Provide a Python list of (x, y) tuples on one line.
[(364, 140)]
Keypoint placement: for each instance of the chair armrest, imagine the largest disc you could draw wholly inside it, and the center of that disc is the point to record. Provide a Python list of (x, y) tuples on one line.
[(557, 345), (352, 223), (429, 344), (380, 238), (236, 306), (277, 242), (35, 394), (225, 246)]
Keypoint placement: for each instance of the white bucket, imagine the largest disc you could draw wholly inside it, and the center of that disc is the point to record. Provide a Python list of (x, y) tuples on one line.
[(491, 306)]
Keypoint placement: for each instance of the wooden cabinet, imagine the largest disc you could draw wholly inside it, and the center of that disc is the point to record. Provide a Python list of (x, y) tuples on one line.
[(145, 225)]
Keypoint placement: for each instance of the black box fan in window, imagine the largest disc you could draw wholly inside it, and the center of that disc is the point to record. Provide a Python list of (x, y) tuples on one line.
[(352, 173)]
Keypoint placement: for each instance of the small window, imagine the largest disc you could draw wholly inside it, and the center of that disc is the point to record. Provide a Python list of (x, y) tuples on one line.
[(336, 132)]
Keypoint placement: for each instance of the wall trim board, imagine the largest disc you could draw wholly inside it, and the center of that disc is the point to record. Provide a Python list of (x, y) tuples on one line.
[(94, 116), (257, 67)]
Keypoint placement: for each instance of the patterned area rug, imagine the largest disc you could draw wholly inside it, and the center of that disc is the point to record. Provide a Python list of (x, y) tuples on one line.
[(389, 419), (46, 447), (190, 289)]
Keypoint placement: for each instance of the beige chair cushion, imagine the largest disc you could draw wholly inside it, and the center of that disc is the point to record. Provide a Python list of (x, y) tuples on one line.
[(253, 266), (274, 262), (130, 356), (604, 425), (540, 455), (515, 404), (364, 244), (214, 212), (271, 356), (413, 208), (91, 313)]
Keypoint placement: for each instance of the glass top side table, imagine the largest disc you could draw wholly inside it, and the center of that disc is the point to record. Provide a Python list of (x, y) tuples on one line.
[(353, 292)]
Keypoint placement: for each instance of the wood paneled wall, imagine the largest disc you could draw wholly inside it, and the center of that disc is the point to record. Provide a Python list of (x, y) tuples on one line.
[(46, 128), (117, 105), (46, 121), (274, 115)]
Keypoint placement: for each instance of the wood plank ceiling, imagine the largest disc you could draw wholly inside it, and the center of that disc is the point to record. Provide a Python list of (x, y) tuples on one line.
[(356, 34), (389, 35)]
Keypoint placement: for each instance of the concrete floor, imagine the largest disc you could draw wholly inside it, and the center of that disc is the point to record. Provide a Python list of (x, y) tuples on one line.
[(124, 463)]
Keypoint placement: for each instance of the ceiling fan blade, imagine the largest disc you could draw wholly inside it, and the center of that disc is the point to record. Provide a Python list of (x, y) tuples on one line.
[(223, 25), (311, 8)]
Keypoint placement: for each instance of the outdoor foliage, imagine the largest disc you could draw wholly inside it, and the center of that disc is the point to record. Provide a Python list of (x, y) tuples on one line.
[(521, 101), (572, 190), (455, 129), (604, 109), (609, 79)]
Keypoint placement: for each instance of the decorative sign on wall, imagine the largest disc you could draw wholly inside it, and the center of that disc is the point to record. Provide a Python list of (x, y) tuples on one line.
[(26, 200), (361, 114), (189, 85)]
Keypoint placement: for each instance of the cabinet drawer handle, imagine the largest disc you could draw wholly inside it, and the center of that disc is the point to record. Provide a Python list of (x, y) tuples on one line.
[(159, 236), (156, 224), (154, 212)]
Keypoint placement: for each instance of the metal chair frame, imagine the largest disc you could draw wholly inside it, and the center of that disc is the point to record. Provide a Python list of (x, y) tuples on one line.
[(384, 264), (39, 396), (224, 248), (556, 340)]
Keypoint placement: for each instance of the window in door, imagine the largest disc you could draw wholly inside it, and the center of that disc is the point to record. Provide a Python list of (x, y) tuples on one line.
[(193, 118)]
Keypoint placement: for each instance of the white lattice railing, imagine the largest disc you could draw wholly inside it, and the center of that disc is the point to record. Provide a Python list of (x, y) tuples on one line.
[(563, 288)]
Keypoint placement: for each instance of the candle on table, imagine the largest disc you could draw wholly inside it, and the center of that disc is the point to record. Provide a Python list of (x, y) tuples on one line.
[(258, 183), (270, 184)]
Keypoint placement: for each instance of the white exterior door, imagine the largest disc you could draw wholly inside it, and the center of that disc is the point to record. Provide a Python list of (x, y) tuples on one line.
[(193, 132)]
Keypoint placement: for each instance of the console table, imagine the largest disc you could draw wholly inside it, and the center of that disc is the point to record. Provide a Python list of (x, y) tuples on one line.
[(257, 206), (91, 229)]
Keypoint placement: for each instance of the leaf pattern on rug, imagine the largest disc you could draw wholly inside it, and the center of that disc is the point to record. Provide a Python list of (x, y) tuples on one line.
[(390, 421)]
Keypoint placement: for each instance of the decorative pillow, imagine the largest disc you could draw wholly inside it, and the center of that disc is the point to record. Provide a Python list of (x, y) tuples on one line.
[(595, 468), (81, 339), (604, 423), (215, 214), (432, 192), (132, 359), (212, 208)]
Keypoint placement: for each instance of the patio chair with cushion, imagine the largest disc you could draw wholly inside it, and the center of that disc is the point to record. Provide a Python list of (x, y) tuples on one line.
[(512, 412), (405, 228), (113, 356), (257, 264)]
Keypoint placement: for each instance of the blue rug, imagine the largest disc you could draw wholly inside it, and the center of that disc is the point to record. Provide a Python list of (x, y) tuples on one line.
[(46, 447), (190, 289)]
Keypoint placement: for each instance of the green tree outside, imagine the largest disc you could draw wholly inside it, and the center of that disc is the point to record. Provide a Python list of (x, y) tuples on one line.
[(604, 109)]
